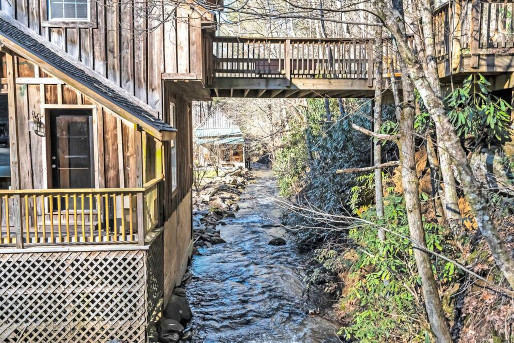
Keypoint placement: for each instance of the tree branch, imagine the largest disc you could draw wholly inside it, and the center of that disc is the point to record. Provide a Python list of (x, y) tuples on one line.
[(365, 169), (380, 136)]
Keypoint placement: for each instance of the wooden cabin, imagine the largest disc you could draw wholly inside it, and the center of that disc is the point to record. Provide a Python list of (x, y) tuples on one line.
[(95, 165)]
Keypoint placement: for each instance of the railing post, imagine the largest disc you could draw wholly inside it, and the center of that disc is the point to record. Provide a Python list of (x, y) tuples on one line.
[(140, 213), (287, 59), (370, 63), (456, 10), (475, 32), (14, 147), (18, 223)]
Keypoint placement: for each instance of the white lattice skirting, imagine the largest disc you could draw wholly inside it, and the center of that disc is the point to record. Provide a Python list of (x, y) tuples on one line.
[(76, 296)]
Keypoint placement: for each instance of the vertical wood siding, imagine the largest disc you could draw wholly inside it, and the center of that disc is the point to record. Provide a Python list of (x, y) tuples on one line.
[(125, 45), (113, 151)]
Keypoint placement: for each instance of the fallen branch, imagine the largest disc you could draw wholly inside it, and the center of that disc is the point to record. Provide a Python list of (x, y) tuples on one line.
[(380, 136), (365, 169)]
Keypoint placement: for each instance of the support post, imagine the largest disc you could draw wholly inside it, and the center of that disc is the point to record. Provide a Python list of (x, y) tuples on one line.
[(287, 59), (140, 218), (455, 31), (14, 148), (475, 32)]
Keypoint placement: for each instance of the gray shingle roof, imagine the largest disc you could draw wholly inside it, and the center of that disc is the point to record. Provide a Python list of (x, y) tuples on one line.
[(30, 41)]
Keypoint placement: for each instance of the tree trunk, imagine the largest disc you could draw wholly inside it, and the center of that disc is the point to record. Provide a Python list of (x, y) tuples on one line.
[(451, 206), (377, 122), (433, 161), (410, 184)]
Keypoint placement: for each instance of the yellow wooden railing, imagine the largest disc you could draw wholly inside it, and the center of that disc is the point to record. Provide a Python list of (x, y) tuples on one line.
[(68, 216)]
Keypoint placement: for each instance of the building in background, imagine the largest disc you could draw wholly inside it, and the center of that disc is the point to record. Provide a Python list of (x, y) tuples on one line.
[(220, 143)]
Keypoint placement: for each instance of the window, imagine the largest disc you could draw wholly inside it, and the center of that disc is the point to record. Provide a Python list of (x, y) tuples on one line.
[(173, 165), (74, 10)]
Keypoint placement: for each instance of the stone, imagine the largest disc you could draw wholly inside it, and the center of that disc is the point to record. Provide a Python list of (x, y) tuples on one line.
[(187, 336), (229, 214), (277, 241), (153, 335), (170, 338), (181, 292), (217, 240), (178, 309), (170, 325)]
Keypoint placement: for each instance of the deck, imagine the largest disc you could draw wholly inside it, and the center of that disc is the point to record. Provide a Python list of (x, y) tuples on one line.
[(472, 36), (31, 218)]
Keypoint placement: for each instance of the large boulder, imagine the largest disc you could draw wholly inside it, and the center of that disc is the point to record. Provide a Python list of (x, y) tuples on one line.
[(277, 241), (178, 309)]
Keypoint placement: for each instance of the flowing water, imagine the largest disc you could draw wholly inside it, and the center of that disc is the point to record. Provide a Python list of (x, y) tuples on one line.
[(248, 291)]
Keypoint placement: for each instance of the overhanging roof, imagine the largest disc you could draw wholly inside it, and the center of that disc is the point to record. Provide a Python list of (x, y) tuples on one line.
[(25, 42)]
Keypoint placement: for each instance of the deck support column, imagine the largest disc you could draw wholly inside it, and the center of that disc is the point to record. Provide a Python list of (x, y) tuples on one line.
[(14, 147), (287, 59), (475, 32)]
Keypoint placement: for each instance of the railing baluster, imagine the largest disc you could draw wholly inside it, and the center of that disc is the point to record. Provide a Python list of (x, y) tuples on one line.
[(107, 217), (51, 205), (67, 204), (115, 215), (7, 223), (99, 216), (75, 217), (2, 239), (34, 204), (131, 227), (122, 196), (91, 219), (83, 210), (27, 222), (43, 217), (59, 224)]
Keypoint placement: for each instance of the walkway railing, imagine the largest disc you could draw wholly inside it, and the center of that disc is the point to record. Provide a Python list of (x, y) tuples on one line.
[(67, 216), (242, 57)]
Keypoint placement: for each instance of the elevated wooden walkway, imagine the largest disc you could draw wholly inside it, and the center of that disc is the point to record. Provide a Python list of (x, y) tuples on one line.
[(472, 36)]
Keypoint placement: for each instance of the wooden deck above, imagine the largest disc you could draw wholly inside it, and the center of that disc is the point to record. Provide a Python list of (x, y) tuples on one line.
[(472, 36)]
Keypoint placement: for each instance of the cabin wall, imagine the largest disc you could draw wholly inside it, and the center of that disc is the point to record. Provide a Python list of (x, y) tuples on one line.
[(130, 49), (184, 148), (177, 245), (115, 141)]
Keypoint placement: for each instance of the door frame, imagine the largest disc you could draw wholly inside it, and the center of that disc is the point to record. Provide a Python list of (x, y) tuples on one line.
[(47, 145)]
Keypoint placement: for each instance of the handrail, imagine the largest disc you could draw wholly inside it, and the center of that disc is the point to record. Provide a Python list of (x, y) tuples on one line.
[(152, 183), (283, 39), (70, 191)]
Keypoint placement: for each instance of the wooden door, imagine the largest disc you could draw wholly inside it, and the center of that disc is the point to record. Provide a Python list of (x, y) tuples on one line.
[(71, 157)]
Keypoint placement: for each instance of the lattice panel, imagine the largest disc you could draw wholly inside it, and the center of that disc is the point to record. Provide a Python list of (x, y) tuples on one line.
[(155, 278), (73, 297)]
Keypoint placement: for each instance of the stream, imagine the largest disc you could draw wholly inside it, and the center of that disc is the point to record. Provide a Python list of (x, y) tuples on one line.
[(248, 291)]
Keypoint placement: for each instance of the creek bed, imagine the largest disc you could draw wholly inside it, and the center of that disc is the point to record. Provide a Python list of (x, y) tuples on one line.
[(246, 290)]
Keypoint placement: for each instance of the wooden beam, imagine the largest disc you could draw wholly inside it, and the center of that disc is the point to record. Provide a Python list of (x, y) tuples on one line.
[(14, 149), (180, 76), (245, 93), (121, 151), (289, 94), (276, 92), (260, 93), (475, 32)]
